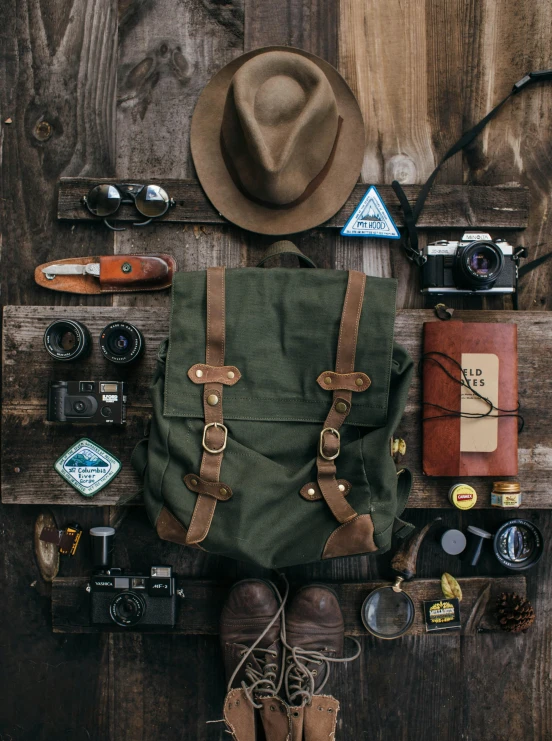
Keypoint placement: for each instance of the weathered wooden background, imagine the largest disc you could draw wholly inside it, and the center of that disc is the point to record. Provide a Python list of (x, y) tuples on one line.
[(90, 89)]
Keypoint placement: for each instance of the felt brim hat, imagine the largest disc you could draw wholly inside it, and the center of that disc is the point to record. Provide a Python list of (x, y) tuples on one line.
[(277, 140)]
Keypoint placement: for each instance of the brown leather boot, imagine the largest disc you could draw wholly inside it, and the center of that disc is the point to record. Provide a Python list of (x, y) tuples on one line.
[(250, 626), (313, 634)]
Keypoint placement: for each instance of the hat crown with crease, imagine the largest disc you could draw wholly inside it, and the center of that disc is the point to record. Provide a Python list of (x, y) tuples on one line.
[(277, 140), (279, 126)]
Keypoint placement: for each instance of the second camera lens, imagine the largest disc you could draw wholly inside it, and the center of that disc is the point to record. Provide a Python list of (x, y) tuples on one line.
[(122, 343)]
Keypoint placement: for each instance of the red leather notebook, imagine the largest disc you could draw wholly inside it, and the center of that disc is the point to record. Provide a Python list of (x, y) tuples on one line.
[(454, 446)]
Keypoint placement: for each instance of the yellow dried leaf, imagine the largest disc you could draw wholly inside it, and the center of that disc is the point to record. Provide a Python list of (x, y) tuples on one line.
[(450, 587)]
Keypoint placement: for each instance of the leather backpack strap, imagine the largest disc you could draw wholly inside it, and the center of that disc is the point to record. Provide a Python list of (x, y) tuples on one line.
[(340, 383), (214, 432)]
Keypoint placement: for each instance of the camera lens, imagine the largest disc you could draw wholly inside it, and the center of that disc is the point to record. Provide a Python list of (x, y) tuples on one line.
[(480, 264), (66, 339), (122, 343), (127, 609), (79, 407)]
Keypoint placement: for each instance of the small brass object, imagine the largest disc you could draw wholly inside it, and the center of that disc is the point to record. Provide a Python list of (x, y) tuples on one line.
[(194, 482), (359, 382), (212, 400), (222, 491), (199, 373), (341, 487), (230, 374), (341, 407), (311, 492), (328, 380)]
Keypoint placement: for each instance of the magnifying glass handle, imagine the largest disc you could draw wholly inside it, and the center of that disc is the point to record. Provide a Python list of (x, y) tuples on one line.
[(405, 559)]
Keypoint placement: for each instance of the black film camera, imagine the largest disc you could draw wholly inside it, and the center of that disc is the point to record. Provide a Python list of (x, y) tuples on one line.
[(131, 600), (473, 264), (93, 402)]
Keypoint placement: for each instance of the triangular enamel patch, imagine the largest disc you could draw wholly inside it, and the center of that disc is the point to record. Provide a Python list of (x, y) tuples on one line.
[(371, 219), (87, 467)]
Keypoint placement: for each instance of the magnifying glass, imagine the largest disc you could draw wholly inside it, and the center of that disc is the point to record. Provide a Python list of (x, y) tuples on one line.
[(388, 612)]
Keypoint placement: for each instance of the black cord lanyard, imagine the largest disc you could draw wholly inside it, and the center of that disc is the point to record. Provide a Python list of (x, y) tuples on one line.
[(412, 213)]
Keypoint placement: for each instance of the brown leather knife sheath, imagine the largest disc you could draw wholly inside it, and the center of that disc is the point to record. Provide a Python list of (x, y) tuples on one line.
[(118, 274)]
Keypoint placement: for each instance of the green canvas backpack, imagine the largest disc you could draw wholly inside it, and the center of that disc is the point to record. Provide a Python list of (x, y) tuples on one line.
[(275, 400)]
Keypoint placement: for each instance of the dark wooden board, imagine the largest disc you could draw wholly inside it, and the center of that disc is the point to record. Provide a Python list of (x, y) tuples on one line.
[(31, 445), (500, 207), (199, 610)]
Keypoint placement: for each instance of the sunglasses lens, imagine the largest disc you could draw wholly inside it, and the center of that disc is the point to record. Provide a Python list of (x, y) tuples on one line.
[(104, 200), (152, 201)]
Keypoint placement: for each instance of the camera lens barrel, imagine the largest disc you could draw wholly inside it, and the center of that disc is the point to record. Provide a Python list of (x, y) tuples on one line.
[(102, 546), (479, 264), (127, 609), (66, 340), (122, 343)]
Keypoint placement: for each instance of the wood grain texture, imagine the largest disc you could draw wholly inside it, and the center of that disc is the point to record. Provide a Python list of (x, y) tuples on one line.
[(199, 611), (57, 88), (447, 206), (167, 54), (32, 445), (509, 41)]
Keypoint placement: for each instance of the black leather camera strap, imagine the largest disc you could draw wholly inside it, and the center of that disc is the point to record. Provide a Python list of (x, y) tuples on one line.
[(412, 212)]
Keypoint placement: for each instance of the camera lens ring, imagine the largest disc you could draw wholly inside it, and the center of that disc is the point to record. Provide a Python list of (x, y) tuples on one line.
[(122, 343), (127, 609), (479, 264), (67, 340)]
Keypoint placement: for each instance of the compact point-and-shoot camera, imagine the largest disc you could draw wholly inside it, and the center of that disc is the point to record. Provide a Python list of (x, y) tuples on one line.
[(473, 264), (92, 402), (131, 600)]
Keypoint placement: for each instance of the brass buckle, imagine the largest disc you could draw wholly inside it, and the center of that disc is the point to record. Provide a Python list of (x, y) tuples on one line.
[(334, 432), (204, 443)]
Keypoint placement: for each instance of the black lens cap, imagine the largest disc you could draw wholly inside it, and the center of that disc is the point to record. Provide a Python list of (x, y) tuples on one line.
[(518, 544)]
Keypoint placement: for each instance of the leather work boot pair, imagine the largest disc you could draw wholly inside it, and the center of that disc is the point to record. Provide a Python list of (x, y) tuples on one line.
[(265, 650)]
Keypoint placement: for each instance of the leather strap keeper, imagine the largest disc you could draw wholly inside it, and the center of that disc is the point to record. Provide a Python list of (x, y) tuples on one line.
[(215, 489), (331, 381), (228, 375), (316, 494)]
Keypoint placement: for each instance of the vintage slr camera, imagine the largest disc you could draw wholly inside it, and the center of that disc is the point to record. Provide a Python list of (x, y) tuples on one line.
[(133, 600), (93, 402), (475, 263)]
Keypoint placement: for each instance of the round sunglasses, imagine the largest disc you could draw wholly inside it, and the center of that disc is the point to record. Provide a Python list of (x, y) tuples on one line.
[(104, 200)]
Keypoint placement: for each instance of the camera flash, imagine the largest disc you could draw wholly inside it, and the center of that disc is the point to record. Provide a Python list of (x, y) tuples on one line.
[(108, 388), (163, 572)]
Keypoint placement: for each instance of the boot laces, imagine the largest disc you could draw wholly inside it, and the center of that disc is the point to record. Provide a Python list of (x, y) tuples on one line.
[(267, 681), (300, 679)]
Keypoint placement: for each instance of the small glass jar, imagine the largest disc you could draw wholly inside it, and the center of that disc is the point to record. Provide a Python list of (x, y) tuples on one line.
[(506, 494)]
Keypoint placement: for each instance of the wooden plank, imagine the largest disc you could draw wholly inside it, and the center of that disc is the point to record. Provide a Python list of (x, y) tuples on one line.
[(167, 54), (459, 206), (56, 49), (199, 611), (504, 44), (31, 445)]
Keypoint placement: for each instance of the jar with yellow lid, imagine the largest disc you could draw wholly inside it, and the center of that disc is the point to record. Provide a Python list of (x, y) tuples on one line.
[(463, 496), (506, 494)]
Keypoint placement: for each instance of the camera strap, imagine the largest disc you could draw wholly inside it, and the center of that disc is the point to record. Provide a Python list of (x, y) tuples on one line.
[(412, 212)]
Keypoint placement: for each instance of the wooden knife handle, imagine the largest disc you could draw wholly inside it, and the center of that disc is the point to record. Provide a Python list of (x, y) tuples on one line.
[(124, 271)]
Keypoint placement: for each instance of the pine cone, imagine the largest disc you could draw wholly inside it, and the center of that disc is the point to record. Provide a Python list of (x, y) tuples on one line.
[(514, 614)]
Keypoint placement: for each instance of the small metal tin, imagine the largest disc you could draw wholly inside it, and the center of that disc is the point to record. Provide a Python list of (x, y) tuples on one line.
[(462, 496), (518, 544), (453, 542)]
